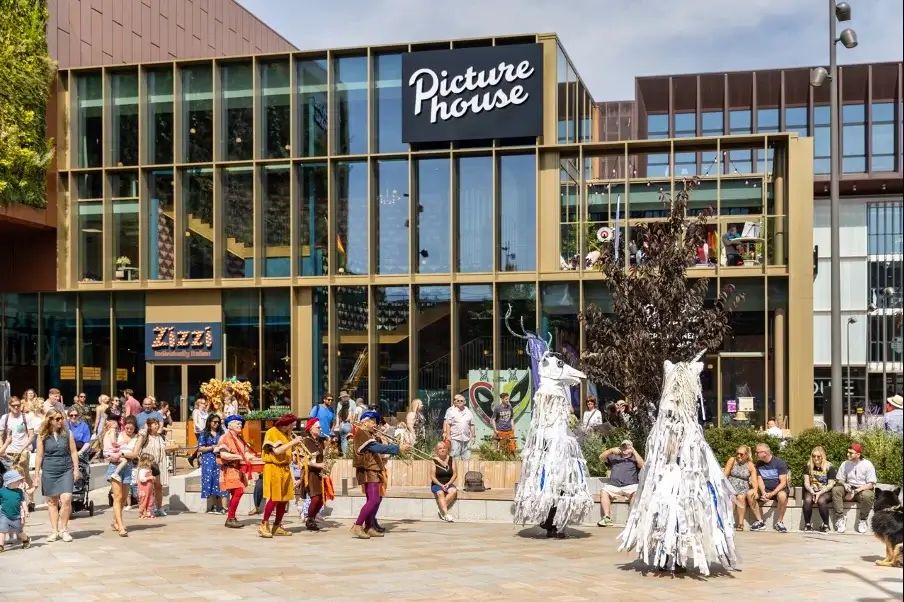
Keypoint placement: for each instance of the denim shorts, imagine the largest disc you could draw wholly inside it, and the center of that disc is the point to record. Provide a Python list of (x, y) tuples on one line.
[(436, 488), (10, 525), (125, 473)]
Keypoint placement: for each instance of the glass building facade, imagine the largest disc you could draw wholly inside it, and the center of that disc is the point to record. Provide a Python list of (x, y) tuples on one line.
[(273, 197)]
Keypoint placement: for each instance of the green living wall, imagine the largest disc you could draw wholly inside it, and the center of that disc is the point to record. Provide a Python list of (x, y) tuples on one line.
[(26, 73)]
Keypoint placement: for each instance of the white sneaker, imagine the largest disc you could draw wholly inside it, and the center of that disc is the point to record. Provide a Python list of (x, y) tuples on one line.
[(839, 525), (160, 512), (54, 536), (862, 527), (65, 536), (128, 508), (448, 518)]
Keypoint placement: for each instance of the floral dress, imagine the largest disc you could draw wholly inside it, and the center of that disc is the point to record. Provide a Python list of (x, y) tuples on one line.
[(210, 471)]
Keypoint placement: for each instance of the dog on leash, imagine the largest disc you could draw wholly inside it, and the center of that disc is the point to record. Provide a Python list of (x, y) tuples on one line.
[(888, 526)]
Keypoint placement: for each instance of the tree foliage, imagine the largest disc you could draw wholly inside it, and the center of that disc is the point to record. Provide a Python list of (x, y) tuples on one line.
[(657, 312), (26, 72)]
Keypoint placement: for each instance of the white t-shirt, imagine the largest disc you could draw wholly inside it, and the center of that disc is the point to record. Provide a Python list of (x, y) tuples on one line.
[(18, 427), (459, 423), (591, 419), (858, 474), (774, 431)]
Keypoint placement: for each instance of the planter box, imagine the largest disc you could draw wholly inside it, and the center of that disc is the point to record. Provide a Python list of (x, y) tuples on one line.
[(496, 475)]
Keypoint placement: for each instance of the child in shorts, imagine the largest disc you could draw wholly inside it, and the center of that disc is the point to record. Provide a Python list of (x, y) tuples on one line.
[(13, 509)]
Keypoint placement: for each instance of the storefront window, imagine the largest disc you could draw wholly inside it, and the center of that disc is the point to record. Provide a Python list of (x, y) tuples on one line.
[(241, 329), (748, 323), (58, 333), (350, 98), (744, 378), (882, 139), (313, 219), (124, 189), (128, 317), (475, 214), (312, 103), (434, 352), (320, 348), (124, 118), (475, 344), (197, 219), (197, 118), (89, 120), (388, 98), (433, 216), (238, 212), (393, 331), (161, 227), (522, 298), (160, 116), (559, 319), (351, 307), (351, 216), (236, 85), (20, 341), (276, 113), (91, 241), (96, 347), (392, 201), (276, 205), (517, 213), (277, 351)]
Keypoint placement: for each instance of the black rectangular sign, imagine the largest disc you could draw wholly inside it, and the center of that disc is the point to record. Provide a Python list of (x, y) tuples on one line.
[(493, 92)]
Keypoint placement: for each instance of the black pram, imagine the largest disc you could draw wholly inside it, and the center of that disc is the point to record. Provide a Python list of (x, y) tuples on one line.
[(82, 486)]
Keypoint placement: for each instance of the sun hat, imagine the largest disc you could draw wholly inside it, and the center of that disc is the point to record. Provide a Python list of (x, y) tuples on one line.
[(10, 477), (897, 401)]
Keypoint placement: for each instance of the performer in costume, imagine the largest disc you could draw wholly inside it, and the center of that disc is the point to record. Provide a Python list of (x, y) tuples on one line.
[(553, 485), (371, 472), (279, 488), (235, 458), (683, 506), (317, 483)]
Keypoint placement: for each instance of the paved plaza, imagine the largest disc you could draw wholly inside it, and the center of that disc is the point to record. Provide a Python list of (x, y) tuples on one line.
[(193, 557)]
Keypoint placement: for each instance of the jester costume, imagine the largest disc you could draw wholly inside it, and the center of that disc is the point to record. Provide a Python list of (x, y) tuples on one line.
[(319, 488), (370, 471)]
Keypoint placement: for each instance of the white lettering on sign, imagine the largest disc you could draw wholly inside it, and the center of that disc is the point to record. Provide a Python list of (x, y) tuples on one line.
[(436, 89)]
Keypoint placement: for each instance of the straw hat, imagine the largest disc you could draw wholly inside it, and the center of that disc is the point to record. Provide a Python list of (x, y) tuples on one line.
[(897, 401)]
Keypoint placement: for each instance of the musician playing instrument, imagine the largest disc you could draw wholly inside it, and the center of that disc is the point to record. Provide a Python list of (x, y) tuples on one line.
[(371, 472), (235, 458), (279, 487), (315, 484)]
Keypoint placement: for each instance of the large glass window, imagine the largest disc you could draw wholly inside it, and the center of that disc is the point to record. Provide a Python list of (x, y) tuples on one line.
[(767, 120), (89, 125), (475, 345), (312, 103), (275, 198), (197, 219), (59, 342), (91, 241), (351, 216), (713, 124), (313, 219), (657, 127), (517, 213), (124, 118), (391, 186), (350, 97), (748, 326), (883, 137), (434, 235), (320, 349), (475, 214), (128, 316), (238, 211), (822, 155), (885, 228), (160, 116), (351, 307), (124, 188), (197, 119), (276, 113), (853, 138), (685, 127), (96, 344), (559, 318), (744, 377), (569, 214), (241, 329), (161, 237), (393, 331), (388, 99), (434, 348), (277, 351), (20, 340), (237, 128), (796, 120), (513, 366), (739, 161)]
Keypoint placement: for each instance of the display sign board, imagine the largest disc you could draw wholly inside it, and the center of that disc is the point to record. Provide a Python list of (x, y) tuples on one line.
[(493, 92), (183, 341)]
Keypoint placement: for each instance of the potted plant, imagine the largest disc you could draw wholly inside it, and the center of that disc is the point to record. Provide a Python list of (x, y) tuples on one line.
[(749, 258), (121, 264), (275, 390)]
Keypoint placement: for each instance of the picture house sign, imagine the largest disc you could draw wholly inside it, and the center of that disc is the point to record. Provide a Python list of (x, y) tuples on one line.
[(495, 92), (183, 341)]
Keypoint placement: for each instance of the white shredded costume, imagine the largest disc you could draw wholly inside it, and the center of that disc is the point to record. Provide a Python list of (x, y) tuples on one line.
[(553, 471), (683, 509)]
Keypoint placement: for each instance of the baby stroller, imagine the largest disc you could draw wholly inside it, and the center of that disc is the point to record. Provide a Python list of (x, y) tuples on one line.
[(82, 488)]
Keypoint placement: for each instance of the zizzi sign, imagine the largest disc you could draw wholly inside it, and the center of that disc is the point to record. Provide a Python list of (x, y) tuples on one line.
[(493, 92), (183, 341)]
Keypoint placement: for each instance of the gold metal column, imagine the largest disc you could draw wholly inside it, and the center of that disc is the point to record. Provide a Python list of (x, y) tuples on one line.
[(302, 368), (778, 361)]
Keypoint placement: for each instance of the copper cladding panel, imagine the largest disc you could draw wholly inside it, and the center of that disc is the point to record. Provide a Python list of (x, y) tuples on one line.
[(106, 32)]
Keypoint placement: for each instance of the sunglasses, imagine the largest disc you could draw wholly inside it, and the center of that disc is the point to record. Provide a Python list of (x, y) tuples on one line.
[(73, 415), (55, 418)]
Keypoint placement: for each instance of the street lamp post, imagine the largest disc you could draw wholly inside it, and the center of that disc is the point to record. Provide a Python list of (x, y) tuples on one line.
[(848, 388), (840, 11)]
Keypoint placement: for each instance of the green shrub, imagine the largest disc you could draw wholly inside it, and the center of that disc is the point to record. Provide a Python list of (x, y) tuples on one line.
[(271, 413), (885, 451), (491, 452), (725, 441), (595, 443)]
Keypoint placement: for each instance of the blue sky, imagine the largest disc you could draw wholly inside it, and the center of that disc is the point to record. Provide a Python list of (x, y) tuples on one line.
[(609, 41)]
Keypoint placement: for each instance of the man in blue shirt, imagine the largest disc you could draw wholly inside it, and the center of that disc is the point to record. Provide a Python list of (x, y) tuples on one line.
[(894, 416), (325, 414), (148, 410)]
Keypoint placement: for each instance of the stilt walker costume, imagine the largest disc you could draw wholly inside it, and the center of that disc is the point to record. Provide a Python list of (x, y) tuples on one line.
[(683, 507), (371, 472), (279, 486), (553, 485)]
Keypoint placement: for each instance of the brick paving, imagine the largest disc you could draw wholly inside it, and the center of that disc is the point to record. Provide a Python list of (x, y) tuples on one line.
[(192, 557)]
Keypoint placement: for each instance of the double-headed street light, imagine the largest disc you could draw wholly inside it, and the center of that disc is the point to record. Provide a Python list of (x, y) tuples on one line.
[(838, 11)]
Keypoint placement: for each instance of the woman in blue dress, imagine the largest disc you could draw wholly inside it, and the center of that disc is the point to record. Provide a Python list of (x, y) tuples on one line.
[(210, 472)]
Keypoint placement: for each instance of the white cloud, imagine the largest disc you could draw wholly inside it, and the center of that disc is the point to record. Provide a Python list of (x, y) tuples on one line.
[(610, 42)]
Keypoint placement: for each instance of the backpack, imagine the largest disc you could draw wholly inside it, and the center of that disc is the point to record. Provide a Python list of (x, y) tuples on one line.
[(474, 481)]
